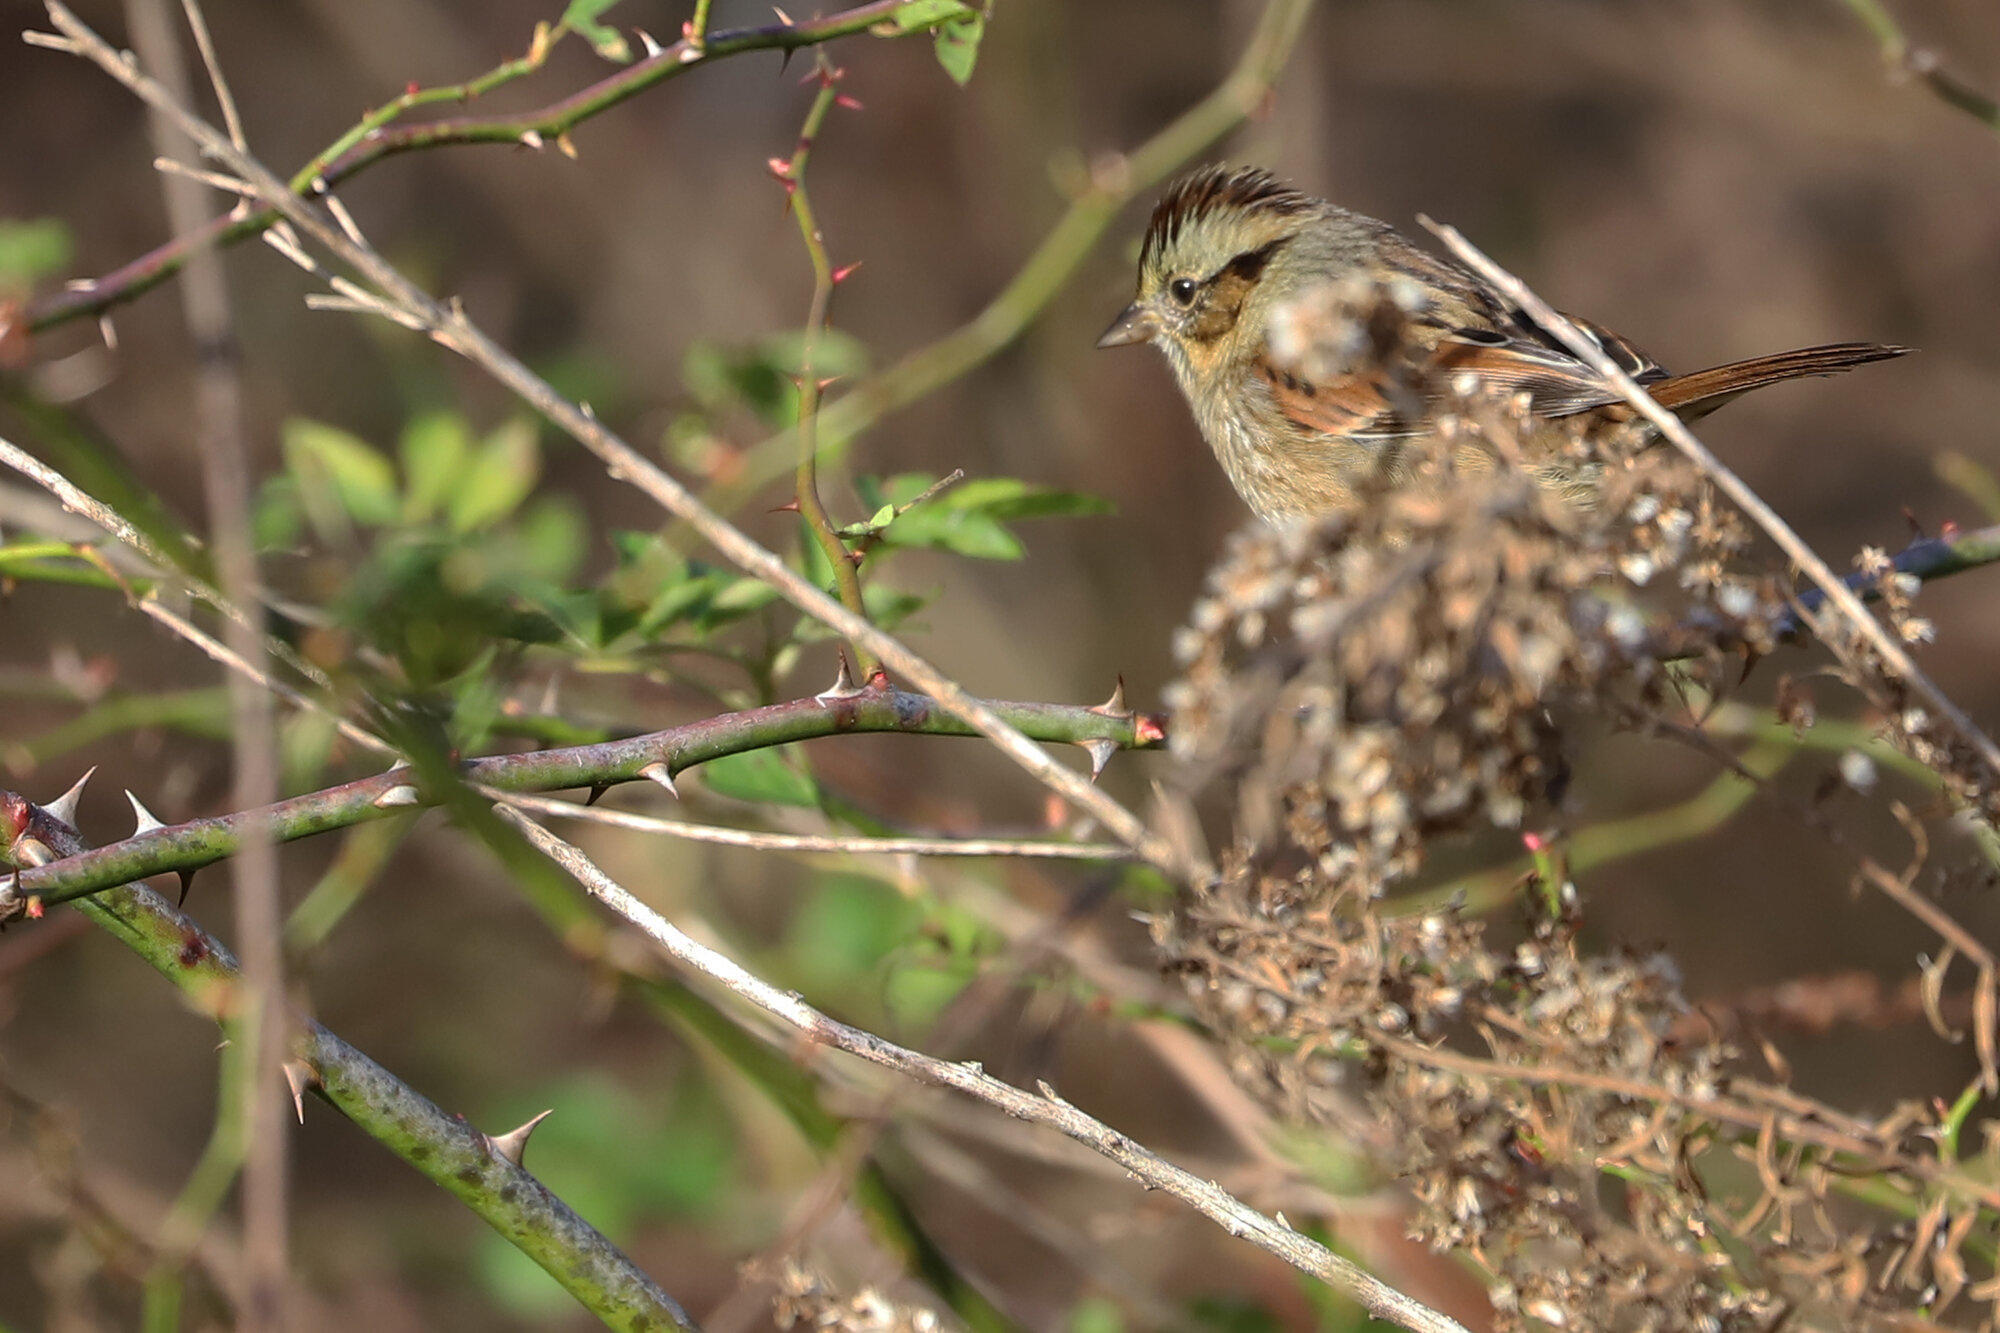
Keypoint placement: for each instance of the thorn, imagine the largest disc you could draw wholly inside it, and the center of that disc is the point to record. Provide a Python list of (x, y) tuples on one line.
[(658, 772), (186, 878), (783, 17), (790, 506), (400, 794), (843, 273), (847, 103), (513, 1145), (107, 331), (1115, 705), (1100, 751), (300, 1076), (821, 386), (531, 138), (147, 821), (63, 807), (843, 686), (653, 48), (597, 790), (566, 145)]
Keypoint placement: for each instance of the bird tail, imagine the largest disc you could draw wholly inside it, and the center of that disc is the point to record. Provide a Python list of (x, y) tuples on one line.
[(1705, 390)]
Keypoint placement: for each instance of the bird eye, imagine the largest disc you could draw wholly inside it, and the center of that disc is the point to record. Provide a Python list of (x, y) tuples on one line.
[(1183, 290)]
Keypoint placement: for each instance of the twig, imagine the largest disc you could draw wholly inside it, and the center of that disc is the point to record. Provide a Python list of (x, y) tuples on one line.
[(218, 442), (1930, 558), (801, 842), (1586, 349), (792, 175), (1927, 65), (78, 501), (1235, 1217)]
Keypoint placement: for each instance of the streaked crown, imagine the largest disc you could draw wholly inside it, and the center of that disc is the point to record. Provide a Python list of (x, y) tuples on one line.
[(1197, 202)]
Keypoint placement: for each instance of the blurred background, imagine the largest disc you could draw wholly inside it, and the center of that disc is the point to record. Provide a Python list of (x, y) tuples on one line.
[(1713, 180)]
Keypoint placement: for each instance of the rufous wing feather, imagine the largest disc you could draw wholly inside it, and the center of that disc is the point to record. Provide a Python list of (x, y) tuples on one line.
[(1352, 406), (1703, 391)]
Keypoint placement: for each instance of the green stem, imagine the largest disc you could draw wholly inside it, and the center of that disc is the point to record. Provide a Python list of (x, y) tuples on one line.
[(1899, 55), (846, 576)]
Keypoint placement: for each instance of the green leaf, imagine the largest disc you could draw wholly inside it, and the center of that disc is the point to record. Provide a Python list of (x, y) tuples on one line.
[(921, 14), (1038, 503), (32, 250), (967, 532), (762, 776), (958, 45), (582, 18), (434, 449), (502, 474), (341, 478), (277, 516), (736, 599)]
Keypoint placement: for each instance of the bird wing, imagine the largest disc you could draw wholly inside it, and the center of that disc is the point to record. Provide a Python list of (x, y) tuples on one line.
[(1378, 403)]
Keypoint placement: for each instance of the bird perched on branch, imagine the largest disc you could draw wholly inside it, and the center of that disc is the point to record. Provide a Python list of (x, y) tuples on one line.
[(1314, 344)]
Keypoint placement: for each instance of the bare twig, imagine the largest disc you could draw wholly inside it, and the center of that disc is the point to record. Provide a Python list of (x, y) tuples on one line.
[(804, 842), (1674, 430), (218, 442), (79, 501), (1235, 1217)]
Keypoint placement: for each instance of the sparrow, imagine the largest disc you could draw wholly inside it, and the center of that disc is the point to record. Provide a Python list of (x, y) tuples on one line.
[(1232, 254)]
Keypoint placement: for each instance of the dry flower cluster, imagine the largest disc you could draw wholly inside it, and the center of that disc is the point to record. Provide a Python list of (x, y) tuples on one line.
[(806, 1299), (1413, 670)]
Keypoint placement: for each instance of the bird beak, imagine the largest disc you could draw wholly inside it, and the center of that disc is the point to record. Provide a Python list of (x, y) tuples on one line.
[(1136, 325)]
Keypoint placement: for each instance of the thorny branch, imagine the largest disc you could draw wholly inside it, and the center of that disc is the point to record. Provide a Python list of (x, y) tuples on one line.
[(484, 1172), (791, 174), (657, 758), (374, 139)]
